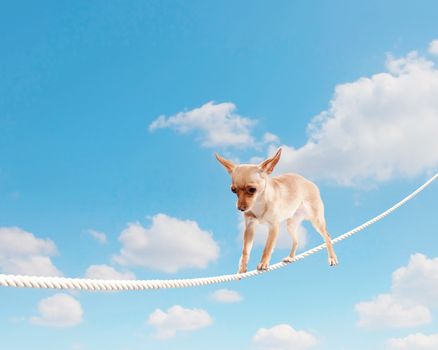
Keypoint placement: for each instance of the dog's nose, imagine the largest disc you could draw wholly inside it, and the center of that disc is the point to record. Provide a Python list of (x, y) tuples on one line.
[(241, 207)]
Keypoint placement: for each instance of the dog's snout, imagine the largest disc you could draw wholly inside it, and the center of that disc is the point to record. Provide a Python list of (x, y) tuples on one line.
[(242, 207)]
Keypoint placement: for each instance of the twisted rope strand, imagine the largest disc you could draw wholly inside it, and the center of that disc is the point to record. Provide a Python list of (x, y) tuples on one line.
[(22, 281)]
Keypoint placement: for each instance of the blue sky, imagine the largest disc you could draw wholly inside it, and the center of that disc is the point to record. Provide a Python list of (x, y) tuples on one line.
[(110, 114)]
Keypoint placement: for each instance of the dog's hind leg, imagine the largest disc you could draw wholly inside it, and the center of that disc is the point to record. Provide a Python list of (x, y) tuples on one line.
[(316, 208)]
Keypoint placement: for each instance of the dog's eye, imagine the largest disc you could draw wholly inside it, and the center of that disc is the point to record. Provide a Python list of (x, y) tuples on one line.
[(252, 190), (233, 189)]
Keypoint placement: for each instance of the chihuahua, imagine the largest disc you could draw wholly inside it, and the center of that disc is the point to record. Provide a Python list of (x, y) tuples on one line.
[(270, 201)]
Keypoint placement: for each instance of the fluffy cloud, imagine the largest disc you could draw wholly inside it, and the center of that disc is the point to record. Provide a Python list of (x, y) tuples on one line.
[(98, 236), (23, 253), (416, 341), (217, 125), (283, 337), (413, 294), (377, 128), (106, 272), (60, 311), (168, 245), (271, 138), (178, 319), (433, 47), (418, 280), (226, 296), (284, 240), (384, 311)]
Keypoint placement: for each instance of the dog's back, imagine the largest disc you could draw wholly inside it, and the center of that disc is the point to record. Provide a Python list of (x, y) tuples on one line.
[(296, 186)]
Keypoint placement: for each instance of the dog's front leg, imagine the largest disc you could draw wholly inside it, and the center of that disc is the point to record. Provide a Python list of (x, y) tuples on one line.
[(248, 239), (269, 246)]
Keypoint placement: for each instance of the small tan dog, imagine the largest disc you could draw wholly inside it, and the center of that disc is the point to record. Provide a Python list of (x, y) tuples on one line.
[(267, 200)]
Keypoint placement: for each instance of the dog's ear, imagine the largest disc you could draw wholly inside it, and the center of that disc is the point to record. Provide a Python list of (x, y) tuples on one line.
[(269, 164), (228, 164)]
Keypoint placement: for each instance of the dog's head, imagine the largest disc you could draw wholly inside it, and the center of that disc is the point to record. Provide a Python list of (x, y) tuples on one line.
[(248, 181)]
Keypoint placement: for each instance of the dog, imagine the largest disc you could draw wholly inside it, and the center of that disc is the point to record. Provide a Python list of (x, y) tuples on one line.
[(267, 200)]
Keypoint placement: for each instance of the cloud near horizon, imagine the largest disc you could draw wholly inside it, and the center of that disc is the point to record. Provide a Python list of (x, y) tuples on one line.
[(226, 296), (60, 311), (417, 341), (178, 319), (412, 297), (283, 337), (23, 253), (106, 272)]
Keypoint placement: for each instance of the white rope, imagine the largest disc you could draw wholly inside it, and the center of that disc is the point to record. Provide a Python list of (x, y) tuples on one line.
[(114, 285)]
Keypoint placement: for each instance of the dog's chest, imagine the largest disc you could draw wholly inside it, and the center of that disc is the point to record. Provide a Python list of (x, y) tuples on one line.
[(264, 213), (259, 209)]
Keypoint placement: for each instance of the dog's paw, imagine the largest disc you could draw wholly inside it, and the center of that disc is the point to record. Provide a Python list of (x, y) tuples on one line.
[(333, 260), (242, 269), (243, 266), (288, 259), (263, 266)]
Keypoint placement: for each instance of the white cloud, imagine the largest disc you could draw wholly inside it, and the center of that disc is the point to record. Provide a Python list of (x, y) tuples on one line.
[(106, 272), (284, 240), (417, 341), (385, 311), (418, 280), (271, 138), (283, 337), (98, 236), (433, 47), (60, 311), (377, 128), (178, 319), (226, 296), (170, 244), (23, 253), (413, 293), (218, 125)]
